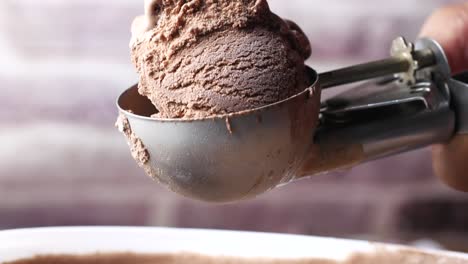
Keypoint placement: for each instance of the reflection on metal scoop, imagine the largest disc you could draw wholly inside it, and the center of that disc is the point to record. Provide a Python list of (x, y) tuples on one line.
[(241, 155)]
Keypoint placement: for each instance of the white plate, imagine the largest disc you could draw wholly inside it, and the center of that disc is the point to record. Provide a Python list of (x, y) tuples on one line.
[(16, 244)]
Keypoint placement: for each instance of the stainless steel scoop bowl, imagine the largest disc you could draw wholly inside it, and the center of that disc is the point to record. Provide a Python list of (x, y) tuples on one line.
[(229, 157)]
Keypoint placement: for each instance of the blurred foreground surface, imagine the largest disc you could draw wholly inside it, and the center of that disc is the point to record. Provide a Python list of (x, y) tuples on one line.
[(63, 163)]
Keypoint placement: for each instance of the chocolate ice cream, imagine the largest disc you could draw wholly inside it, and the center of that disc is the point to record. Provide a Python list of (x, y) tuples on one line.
[(382, 257), (201, 58), (137, 148)]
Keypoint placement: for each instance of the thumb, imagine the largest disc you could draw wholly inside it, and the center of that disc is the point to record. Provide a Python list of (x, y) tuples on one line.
[(449, 27)]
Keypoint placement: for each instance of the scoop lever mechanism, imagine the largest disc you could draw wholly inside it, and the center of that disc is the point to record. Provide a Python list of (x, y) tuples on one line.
[(409, 101)]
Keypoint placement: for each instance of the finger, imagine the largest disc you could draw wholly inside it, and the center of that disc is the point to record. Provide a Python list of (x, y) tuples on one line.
[(449, 26), (451, 162)]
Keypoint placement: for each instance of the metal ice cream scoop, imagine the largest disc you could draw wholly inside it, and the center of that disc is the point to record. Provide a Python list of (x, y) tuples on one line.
[(407, 102)]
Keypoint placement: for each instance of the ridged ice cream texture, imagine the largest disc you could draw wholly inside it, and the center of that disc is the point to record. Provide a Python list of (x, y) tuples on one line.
[(203, 58)]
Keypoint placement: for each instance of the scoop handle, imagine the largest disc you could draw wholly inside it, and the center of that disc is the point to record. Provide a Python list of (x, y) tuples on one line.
[(373, 121), (444, 124), (339, 148)]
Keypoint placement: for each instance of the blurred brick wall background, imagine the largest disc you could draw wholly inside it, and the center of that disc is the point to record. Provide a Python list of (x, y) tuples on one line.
[(63, 63)]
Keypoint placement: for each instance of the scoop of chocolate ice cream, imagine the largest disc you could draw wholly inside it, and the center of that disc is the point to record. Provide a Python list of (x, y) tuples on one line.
[(201, 58)]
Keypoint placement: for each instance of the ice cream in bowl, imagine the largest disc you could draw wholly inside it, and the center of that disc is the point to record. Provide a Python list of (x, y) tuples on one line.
[(127, 245)]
